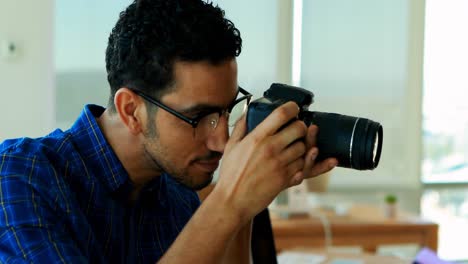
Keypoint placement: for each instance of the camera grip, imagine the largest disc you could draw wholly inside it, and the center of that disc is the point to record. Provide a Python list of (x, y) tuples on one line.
[(257, 112)]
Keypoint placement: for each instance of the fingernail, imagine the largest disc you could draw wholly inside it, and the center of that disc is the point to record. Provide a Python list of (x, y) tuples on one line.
[(298, 179), (314, 153), (332, 164)]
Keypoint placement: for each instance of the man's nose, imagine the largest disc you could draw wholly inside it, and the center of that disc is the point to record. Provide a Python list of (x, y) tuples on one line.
[(218, 138)]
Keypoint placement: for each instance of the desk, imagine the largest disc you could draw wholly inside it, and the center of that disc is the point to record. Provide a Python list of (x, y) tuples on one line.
[(363, 226), (330, 256)]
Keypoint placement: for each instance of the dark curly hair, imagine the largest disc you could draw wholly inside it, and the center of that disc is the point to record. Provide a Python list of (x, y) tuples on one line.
[(151, 35)]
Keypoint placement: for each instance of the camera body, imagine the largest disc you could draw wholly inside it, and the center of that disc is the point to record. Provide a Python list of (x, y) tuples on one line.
[(356, 142)]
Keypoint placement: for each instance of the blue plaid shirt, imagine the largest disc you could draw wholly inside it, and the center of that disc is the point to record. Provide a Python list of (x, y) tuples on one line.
[(64, 199)]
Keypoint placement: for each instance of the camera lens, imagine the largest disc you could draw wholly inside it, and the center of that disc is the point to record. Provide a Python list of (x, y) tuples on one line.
[(356, 142)]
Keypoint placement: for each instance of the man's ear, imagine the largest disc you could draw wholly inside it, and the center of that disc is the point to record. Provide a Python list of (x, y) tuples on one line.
[(131, 109)]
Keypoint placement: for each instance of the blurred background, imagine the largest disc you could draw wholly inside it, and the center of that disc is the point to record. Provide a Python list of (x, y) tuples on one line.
[(399, 62)]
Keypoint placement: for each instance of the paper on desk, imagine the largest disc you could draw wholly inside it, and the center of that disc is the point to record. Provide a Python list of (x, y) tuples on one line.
[(427, 256), (290, 257)]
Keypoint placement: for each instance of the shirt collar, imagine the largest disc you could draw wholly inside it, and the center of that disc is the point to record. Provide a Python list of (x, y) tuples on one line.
[(96, 153)]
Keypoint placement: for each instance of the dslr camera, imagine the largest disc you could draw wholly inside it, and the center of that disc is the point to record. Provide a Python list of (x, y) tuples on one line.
[(356, 142)]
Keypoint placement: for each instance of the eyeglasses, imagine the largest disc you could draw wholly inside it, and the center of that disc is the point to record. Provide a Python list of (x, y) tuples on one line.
[(208, 121)]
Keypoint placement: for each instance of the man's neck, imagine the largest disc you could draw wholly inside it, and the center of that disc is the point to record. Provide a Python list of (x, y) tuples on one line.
[(129, 150)]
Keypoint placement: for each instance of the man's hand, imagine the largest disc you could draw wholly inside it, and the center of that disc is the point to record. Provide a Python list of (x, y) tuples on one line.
[(312, 168), (259, 165)]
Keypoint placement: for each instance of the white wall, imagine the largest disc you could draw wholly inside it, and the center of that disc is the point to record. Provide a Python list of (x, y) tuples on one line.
[(82, 30), (26, 81)]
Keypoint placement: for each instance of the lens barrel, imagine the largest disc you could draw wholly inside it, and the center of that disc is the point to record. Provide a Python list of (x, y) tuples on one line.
[(356, 142)]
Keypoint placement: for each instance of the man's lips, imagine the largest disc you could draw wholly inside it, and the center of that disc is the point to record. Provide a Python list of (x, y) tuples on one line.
[(209, 165)]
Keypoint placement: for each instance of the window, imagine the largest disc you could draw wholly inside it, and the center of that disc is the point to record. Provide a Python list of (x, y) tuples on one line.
[(445, 124), (445, 108)]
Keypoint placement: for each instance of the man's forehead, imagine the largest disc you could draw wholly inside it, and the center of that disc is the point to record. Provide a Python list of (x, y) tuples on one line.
[(204, 76), (203, 105), (204, 85)]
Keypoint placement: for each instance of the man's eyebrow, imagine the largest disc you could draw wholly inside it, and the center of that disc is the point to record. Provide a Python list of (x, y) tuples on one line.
[(199, 108), (204, 108)]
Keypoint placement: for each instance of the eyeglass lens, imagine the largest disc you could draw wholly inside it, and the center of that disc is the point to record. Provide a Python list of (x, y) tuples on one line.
[(208, 123), (237, 111)]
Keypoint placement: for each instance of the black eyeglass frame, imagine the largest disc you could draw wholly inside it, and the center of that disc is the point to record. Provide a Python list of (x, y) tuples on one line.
[(194, 121)]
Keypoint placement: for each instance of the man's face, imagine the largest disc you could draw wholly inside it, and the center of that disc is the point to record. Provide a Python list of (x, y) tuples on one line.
[(187, 154)]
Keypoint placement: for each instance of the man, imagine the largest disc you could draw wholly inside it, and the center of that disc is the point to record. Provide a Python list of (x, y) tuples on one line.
[(119, 185)]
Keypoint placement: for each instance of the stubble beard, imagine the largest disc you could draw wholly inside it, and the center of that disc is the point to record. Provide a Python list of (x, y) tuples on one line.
[(155, 152)]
